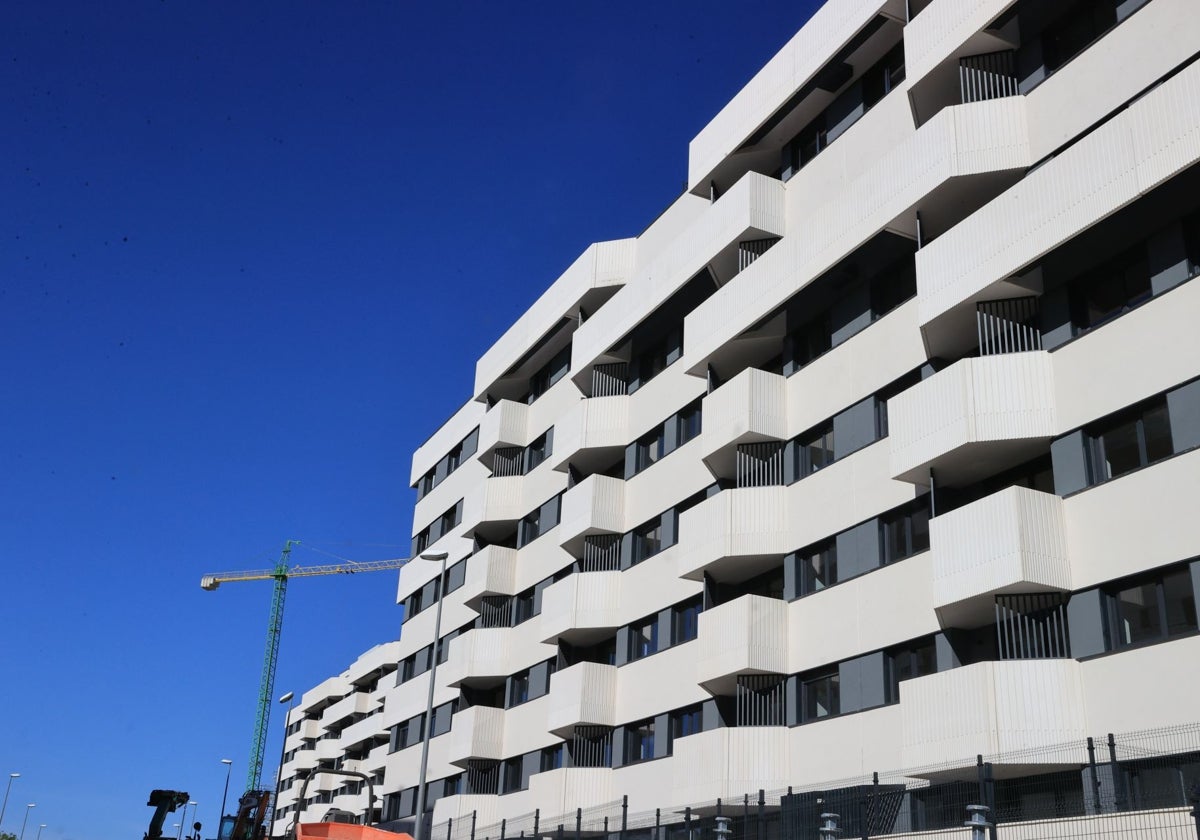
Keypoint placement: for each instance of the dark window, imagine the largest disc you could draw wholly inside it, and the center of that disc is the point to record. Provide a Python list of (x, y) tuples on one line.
[(643, 638), (820, 696), (539, 450), (811, 340), (1112, 289), (1153, 608), (686, 722), (649, 449), (554, 370), (647, 540), (818, 567), (814, 450), (892, 288), (456, 575), (513, 775), (639, 741), (654, 360), (689, 424), (907, 662), (685, 620), (518, 688), (552, 757), (539, 521), (905, 533), (458, 455), (1130, 440), (522, 607), (1082, 24)]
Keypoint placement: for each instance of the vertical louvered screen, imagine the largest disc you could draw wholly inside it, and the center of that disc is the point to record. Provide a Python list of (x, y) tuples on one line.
[(483, 776), (601, 553), (508, 462), (1032, 626), (759, 464), (760, 700), (611, 380), (495, 611), (751, 250), (1008, 326), (591, 746), (988, 76)]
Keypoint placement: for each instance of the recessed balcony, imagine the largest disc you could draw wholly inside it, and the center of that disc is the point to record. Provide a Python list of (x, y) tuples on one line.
[(592, 434), (582, 608), (990, 708), (750, 408), (749, 635), (364, 730), (477, 733), (357, 702), (973, 419), (734, 528), (583, 694), (479, 657), (490, 571), (595, 505), (1011, 541)]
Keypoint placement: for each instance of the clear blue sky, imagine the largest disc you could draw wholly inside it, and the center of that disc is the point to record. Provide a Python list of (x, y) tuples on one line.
[(249, 253)]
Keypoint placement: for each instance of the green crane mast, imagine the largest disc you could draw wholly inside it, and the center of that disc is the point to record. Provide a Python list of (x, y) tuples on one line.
[(266, 687)]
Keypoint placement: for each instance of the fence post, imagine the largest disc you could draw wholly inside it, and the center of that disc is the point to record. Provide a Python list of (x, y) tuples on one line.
[(560, 831), (977, 821), (829, 827), (606, 827), (449, 827), (687, 821), (1117, 779), (1091, 749), (502, 822), (745, 816), (657, 823), (1195, 812), (989, 789), (537, 813), (762, 802), (624, 815), (578, 822), (473, 815)]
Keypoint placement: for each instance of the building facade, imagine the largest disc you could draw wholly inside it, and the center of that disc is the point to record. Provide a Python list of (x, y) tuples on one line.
[(877, 449)]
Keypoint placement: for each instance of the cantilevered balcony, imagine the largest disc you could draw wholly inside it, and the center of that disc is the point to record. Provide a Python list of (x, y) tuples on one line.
[(583, 694), (750, 408), (973, 419), (504, 425), (490, 571), (479, 657), (595, 505), (581, 608), (592, 434), (1011, 541), (990, 708), (749, 635), (477, 733), (734, 528)]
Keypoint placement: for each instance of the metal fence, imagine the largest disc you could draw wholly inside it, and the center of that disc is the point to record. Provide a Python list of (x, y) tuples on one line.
[(1135, 785)]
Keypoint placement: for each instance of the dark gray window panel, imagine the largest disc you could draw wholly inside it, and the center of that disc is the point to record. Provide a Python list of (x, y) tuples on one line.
[(858, 549), (662, 735), (863, 682), (670, 526), (531, 763), (665, 621), (710, 715), (456, 575), (618, 747), (854, 428), (851, 313), (470, 444), (630, 460), (1068, 455), (408, 802), (1127, 7), (421, 660), (946, 655), (627, 551), (670, 434), (1085, 623), (539, 680), (1183, 407), (623, 641), (1168, 258), (791, 578), (1195, 570), (416, 731)]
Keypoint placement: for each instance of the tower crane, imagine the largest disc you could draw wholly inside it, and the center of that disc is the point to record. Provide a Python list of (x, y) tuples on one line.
[(266, 688)]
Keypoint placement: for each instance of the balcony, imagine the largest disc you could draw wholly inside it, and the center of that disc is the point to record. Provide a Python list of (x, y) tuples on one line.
[(592, 434), (477, 733), (505, 424), (595, 505), (364, 730), (329, 748), (718, 762), (585, 693), (481, 656), (1011, 541), (990, 708), (356, 702), (746, 636), (750, 408), (582, 608), (732, 529), (490, 571), (304, 761), (973, 419)]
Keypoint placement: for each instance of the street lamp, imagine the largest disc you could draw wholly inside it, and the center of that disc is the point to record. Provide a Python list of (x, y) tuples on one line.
[(39, 834), (438, 556), (290, 697), (182, 824), (28, 808), (11, 776), (228, 768)]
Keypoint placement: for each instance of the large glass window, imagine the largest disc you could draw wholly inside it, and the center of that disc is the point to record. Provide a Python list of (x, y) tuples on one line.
[(1116, 287), (905, 533), (818, 567), (639, 741), (689, 424), (815, 450), (643, 638), (551, 373), (1153, 608), (820, 696), (647, 540), (686, 722), (1131, 440), (685, 621), (908, 661)]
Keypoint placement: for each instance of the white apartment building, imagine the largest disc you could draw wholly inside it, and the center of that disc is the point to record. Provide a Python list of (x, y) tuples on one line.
[(879, 448)]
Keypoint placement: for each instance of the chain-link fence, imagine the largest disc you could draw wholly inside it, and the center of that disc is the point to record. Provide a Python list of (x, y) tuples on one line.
[(1135, 785)]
